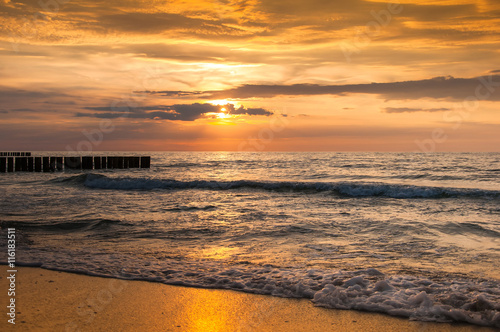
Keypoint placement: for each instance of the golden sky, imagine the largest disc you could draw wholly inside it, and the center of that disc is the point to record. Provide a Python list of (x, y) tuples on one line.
[(256, 75)]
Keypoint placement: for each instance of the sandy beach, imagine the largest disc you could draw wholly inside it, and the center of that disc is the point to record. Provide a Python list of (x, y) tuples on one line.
[(59, 301)]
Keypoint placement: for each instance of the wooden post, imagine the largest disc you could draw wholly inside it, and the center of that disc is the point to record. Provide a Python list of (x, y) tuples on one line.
[(136, 162), (59, 163), (10, 164), (120, 162), (110, 161), (17, 164), (38, 164), (46, 164), (145, 162), (22, 164), (78, 162), (97, 162), (114, 162), (30, 164), (104, 162), (87, 162), (72, 163), (3, 164), (53, 163)]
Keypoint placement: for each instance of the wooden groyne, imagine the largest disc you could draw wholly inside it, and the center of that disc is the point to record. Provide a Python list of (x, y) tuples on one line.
[(15, 154), (25, 162)]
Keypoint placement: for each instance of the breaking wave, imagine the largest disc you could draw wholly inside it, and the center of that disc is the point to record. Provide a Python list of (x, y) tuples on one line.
[(346, 189), (438, 298)]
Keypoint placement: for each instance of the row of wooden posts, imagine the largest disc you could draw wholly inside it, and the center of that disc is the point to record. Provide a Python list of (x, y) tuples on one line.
[(50, 164), (15, 154)]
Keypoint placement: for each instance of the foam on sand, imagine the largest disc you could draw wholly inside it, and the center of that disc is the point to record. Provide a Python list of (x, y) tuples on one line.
[(107, 304), (445, 298)]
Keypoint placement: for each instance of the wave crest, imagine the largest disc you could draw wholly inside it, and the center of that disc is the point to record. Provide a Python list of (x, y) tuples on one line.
[(346, 189)]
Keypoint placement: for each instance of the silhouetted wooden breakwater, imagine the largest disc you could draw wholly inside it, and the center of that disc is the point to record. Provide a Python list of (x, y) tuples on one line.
[(24, 162), (15, 154)]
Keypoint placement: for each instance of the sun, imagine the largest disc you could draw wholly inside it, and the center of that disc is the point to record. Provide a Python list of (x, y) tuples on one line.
[(222, 114)]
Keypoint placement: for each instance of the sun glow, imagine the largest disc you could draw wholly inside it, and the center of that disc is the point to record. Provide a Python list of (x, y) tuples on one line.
[(223, 115), (223, 111), (219, 102)]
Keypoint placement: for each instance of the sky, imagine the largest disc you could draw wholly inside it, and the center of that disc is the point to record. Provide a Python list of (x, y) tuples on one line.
[(250, 75)]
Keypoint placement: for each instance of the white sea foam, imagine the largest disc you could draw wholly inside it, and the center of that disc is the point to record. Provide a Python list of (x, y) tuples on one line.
[(444, 298)]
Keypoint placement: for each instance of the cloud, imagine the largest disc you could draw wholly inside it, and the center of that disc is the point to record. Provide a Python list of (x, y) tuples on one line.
[(413, 110), (141, 23), (20, 94), (23, 101), (24, 110), (251, 111), (482, 88), (178, 112), (284, 20), (33, 136)]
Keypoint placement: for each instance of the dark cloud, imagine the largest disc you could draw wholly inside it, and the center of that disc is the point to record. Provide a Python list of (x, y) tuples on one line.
[(413, 110), (251, 111), (481, 88), (178, 112)]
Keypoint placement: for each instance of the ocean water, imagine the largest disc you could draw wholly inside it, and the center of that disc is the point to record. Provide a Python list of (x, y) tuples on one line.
[(406, 234)]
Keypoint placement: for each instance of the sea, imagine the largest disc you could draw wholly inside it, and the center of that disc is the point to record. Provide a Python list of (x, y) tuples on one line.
[(414, 235)]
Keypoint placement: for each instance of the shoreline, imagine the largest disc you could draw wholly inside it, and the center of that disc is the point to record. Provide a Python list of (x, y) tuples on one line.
[(61, 301)]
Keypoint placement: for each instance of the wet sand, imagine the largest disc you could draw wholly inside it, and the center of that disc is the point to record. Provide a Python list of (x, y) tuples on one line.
[(59, 301)]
